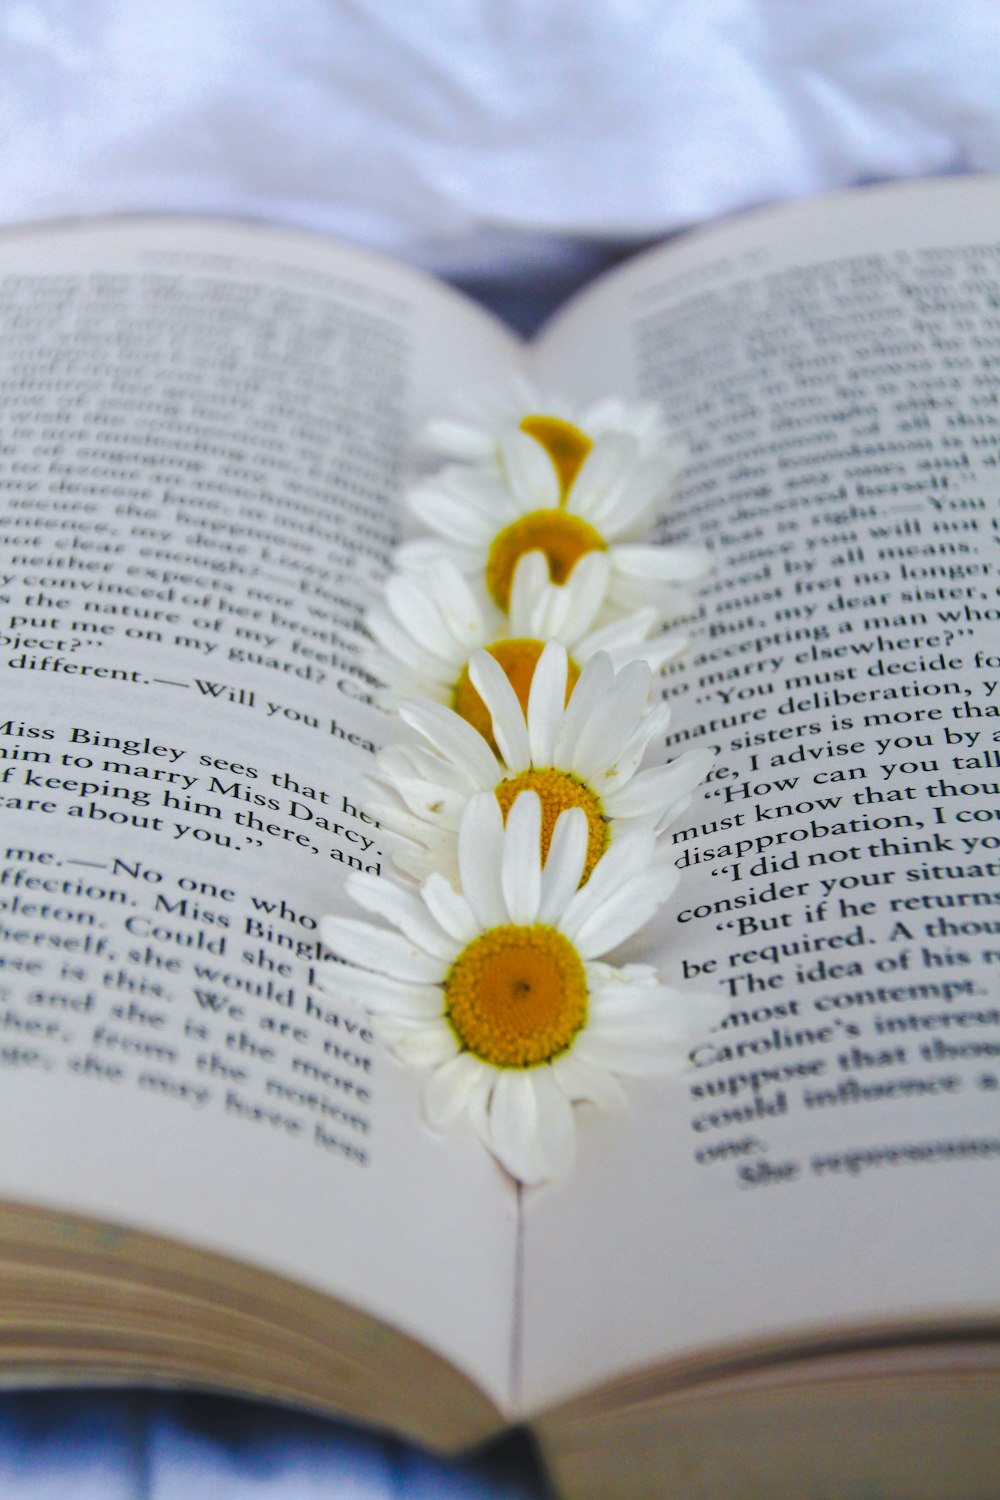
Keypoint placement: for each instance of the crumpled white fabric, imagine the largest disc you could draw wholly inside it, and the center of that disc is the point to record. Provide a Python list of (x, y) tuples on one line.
[(472, 135)]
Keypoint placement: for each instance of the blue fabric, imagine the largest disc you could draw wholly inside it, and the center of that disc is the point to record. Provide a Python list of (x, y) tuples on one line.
[(134, 1445)]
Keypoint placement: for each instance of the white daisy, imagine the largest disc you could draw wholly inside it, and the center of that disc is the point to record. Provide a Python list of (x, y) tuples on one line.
[(550, 493), (584, 751), (498, 991), (474, 434), (430, 625)]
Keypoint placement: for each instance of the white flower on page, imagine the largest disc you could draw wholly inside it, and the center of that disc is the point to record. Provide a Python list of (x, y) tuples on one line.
[(557, 491), (584, 749), (430, 624), (474, 434), (499, 992)]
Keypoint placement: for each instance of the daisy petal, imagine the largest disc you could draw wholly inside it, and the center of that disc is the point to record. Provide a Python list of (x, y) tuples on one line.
[(630, 507), (449, 909), (555, 1126), (455, 439), (549, 608), (564, 866), (629, 855), (613, 454), (509, 729), (404, 910), (512, 1121), (346, 982), (461, 612), (620, 995), (412, 755), (640, 1059), (417, 556), (665, 564), (390, 635), (419, 863), (622, 915), (531, 1125), (583, 1081), (660, 787), (655, 1007), (530, 472), (531, 578), (609, 726), (698, 1011), (450, 516), (629, 632), (398, 819), (546, 702), (593, 684), (658, 651), (480, 844), (582, 596), (478, 1103), (417, 612), (652, 727), (543, 610), (623, 644), (456, 739), (520, 873), (419, 1044), (383, 952), (424, 800), (448, 1089)]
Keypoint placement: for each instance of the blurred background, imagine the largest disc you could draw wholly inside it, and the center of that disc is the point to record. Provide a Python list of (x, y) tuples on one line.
[(515, 148), (512, 147)]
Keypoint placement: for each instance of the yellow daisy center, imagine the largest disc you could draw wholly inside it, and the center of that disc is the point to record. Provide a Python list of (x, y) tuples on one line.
[(517, 996), (563, 538), (565, 444), (558, 790), (519, 659)]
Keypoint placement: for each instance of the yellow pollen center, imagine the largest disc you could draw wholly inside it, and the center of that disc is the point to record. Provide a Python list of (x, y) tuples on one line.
[(517, 996), (558, 790), (565, 444), (518, 658), (563, 538)]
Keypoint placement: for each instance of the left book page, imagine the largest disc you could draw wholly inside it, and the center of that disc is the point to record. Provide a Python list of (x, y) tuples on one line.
[(203, 431)]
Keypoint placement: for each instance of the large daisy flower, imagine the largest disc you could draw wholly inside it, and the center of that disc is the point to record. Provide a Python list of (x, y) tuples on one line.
[(584, 751), (556, 491), (499, 992), (430, 625)]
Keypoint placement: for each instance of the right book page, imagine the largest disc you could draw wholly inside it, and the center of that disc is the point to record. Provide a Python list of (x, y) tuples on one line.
[(828, 1161)]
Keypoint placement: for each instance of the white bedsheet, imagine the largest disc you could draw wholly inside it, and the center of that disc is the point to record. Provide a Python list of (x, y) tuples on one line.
[(472, 135)]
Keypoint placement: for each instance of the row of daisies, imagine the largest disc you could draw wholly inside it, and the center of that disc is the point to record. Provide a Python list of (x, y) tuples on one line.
[(522, 636)]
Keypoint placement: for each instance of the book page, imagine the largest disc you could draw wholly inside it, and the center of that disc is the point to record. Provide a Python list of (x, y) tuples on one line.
[(202, 435), (830, 1156)]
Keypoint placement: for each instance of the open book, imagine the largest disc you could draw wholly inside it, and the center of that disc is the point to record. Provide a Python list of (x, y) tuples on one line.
[(212, 1174)]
